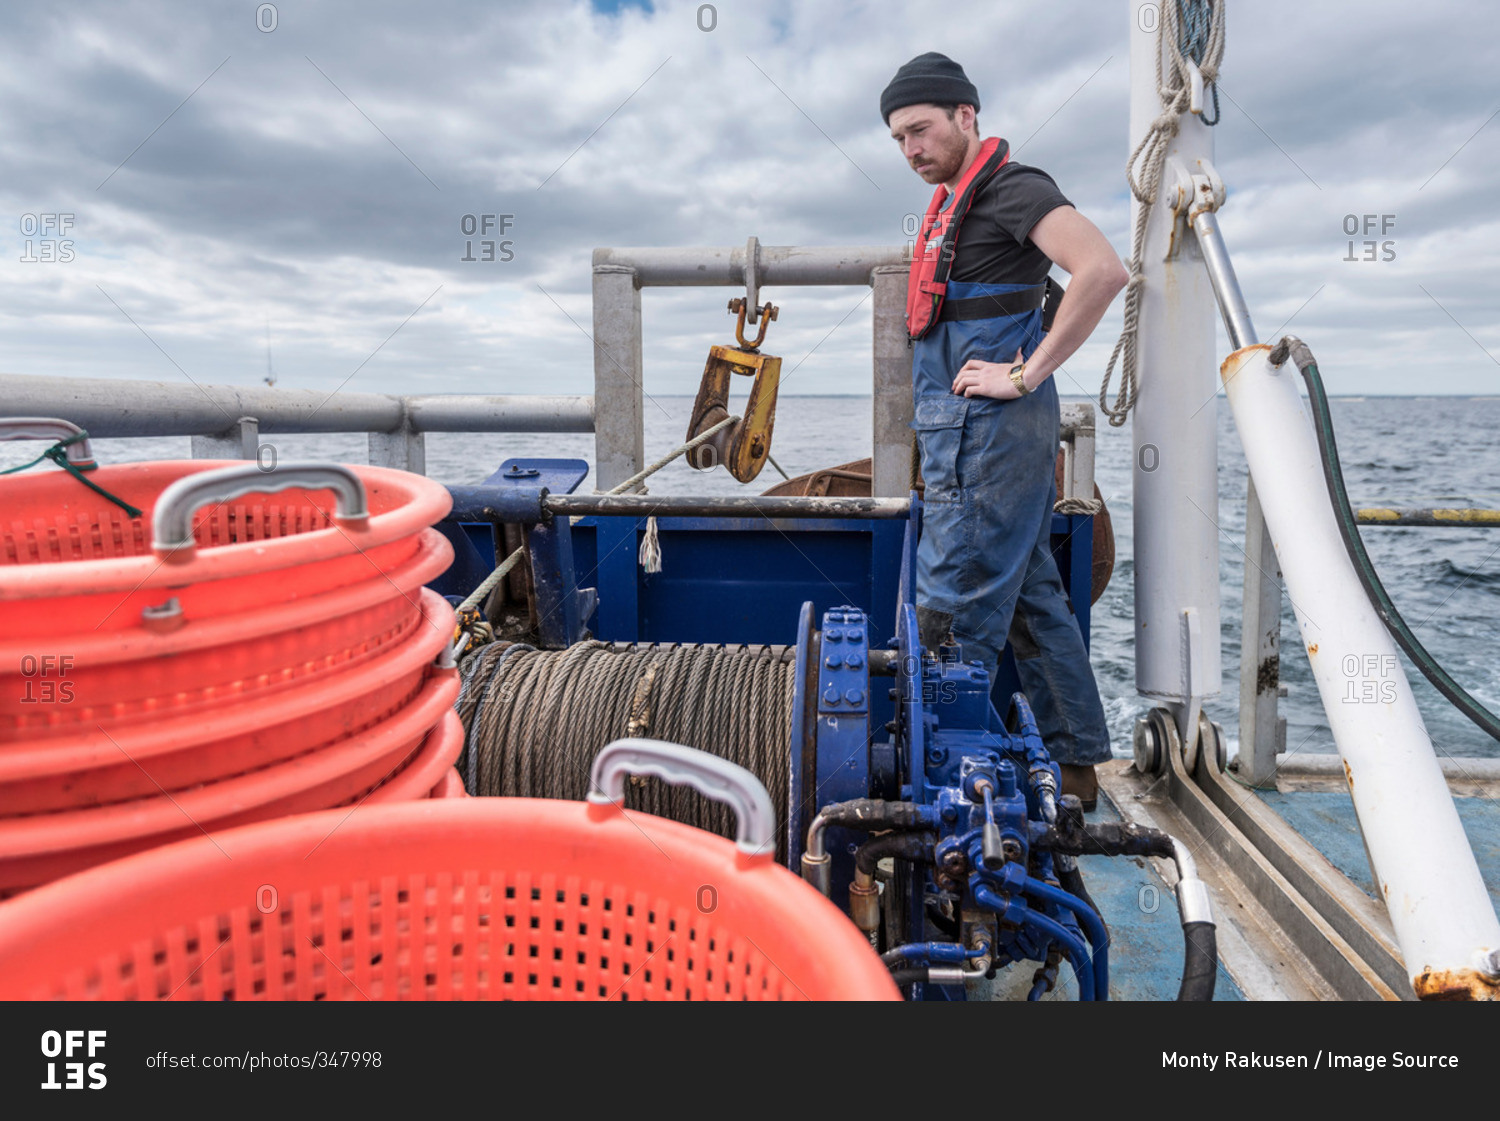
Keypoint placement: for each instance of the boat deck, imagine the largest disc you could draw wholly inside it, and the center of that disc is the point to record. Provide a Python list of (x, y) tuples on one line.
[(1258, 959)]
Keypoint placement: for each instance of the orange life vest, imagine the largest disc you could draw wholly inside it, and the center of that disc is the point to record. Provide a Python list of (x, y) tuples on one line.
[(932, 257)]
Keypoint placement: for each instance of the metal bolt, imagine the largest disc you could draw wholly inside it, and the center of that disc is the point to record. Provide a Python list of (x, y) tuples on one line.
[(831, 695), (833, 634), (854, 661), (832, 661), (855, 696), (1011, 850)]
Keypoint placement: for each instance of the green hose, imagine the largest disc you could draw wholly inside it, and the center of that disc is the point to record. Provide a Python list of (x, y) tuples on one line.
[(1294, 347)]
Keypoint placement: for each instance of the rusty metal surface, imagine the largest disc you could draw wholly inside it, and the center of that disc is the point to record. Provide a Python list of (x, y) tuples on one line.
[(847, 480), (1427, 515), (744, 447), (1456, 984)]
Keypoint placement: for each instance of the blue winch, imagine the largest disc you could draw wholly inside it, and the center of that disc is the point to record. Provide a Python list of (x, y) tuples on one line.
[(911, 800)]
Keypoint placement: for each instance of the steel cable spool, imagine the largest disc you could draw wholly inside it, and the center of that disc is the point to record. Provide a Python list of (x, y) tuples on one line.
[(535, 719)]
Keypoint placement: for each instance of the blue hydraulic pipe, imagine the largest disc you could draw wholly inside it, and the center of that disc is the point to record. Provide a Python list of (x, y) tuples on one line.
[(931, 951), (1073, 947), (1088, 918)]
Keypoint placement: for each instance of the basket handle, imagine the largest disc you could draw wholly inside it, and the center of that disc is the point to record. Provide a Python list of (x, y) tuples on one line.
[(80, 454), (709, 775), (172, 524)]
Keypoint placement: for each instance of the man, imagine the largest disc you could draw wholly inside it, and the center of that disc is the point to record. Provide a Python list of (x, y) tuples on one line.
[(986, 410)]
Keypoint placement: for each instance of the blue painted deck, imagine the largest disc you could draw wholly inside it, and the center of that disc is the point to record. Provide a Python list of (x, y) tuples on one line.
[(1145, 936), (1326, 818)]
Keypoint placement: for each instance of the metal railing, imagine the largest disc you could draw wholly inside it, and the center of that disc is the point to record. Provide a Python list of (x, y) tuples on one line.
[(227, 421)]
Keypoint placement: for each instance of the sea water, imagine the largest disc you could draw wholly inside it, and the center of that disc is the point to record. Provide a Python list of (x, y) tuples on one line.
[(1395, 451)]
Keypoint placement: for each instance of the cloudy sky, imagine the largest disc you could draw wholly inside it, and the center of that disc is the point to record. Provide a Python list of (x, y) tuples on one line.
[(218, 177)]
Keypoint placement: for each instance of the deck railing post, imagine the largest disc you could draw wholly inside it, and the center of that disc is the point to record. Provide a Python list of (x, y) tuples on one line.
[(619, 393), (891, 405)]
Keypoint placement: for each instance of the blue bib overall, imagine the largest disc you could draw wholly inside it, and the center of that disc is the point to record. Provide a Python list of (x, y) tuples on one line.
[(985, 554)]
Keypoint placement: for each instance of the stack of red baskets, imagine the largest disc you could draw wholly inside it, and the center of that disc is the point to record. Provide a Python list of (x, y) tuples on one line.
[(280, 656)]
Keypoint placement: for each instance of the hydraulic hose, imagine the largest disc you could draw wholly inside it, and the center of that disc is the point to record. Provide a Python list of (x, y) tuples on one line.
[(902, 846), (1088, 919), (1200, 963), (1072, 946), (1071, 878), (945, 953), (928, 974), (1297, 350)]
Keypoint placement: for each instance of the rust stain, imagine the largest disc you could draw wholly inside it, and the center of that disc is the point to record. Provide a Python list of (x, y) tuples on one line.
[(1455, 984), (1348, 774), (1312, 649), (1268, 674)]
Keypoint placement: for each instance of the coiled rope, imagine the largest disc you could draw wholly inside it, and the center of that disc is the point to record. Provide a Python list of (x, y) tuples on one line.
[(1077, 506), (1192, 29), (535, 719)]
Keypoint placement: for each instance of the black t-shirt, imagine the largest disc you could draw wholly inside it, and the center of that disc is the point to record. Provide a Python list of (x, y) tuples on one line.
[(992, 242)]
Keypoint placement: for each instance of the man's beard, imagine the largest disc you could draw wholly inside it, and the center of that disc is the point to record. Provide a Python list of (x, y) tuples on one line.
[(945, 164)]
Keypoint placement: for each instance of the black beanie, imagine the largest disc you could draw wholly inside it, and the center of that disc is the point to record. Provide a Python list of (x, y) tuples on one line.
[(929, 78)]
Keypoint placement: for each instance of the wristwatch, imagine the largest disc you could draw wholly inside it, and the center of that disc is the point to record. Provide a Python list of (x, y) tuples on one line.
[(1018, 380)]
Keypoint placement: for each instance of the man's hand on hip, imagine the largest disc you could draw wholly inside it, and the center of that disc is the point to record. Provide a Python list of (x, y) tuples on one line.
[(989, 379)]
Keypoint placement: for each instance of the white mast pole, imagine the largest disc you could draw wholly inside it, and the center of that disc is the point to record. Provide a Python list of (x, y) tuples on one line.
[(1174, 426)]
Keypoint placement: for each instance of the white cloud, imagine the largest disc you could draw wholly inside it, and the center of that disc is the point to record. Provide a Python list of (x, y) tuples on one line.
[(269, 194)]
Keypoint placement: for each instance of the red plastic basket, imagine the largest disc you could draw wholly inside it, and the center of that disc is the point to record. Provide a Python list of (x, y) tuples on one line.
[(450, 786), (41, 847), (215, 594), (95, 766), (454, 898), (427, 769)]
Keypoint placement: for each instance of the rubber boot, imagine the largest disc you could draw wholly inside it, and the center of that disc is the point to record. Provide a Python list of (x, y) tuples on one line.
[(934, 628), (1082, 781)]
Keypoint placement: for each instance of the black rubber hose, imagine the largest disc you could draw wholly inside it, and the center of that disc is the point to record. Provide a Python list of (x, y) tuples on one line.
[(874, 815), (1200, 961), (1071, 881), (909, 976), (903, 846), (944, 925), (1349, 531), (1103, 838)]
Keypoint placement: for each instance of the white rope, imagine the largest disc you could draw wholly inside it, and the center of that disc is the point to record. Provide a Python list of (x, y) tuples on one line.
[(487, 585), (1152, 154), (650, 554), (1077, 506)]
